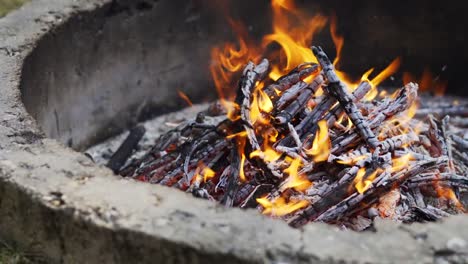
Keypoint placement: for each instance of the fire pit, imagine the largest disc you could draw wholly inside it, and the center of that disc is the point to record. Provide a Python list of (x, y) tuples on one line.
[(88, 70)]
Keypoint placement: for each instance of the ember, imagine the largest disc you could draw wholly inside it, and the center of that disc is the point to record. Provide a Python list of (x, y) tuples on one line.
[(299, 141)]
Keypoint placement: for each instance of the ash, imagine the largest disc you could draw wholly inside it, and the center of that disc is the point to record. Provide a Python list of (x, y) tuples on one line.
[(102, 152)]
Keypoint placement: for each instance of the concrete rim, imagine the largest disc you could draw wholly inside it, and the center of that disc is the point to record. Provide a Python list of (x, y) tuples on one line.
[(61, 210)]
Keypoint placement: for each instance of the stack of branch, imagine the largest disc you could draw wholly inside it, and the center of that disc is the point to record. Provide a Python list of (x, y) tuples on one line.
[(321, 153)]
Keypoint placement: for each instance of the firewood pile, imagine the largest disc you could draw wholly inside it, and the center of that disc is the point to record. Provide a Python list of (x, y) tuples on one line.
[(307, 147)]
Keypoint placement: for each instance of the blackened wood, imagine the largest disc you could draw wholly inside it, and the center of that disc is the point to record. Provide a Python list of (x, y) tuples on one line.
[(403, 99), (346, 206), (123, 153), (337, 89), (289, 95), (259, 191), (299, 103), (334, 114), (298, 74)]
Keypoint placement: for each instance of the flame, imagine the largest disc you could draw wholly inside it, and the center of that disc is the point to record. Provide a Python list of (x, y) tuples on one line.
[(401, 122), (241, 150), (185, 97), (240, 141), (264, 102), (290, 39), (280, 207), (339, 42), (447, 193), (362, 183), (261, 105), (227, 61), (207, 174), (391, 69), (349, 124), (337, 39), (321, 147), (401, 162), (202, 172), (293, 32), (268, 155), (255, 113), (352, 161), (239, 134), (427, 82), (296, 181)]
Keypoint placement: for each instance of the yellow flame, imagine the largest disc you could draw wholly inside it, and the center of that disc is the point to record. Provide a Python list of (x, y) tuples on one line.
[(349, 124), (268, 155), (239, 134), (202, 172), (391, 69), (296, 181), (260, 106), (264, 102), (280, 206), (362, 183), (241, 168), (352, 161), (401, 162), (321, 146), (207, 173)]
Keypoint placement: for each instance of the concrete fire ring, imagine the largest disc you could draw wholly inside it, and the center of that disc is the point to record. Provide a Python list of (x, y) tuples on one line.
[(57, 203)]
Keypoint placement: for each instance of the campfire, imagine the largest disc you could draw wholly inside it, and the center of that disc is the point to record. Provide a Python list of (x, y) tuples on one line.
[(299, 140)]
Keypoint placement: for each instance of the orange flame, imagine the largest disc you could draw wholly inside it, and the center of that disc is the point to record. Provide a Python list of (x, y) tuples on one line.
[(292, 34), (293, 31), (447, 193), (339, 42), (387, 72), (185, 97), (427, 83), (382, 76)]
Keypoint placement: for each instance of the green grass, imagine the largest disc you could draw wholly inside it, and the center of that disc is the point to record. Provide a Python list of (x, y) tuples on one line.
[(8, 5), (10, 255)]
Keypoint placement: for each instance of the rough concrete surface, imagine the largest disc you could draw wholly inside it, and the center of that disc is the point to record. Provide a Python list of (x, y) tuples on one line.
[(56, 202)]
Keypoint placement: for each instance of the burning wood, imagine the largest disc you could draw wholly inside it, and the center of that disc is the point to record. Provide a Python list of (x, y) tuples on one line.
[(308, 148)]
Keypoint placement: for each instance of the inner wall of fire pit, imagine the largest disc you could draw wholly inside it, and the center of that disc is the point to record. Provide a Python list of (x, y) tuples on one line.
[(103, 71)]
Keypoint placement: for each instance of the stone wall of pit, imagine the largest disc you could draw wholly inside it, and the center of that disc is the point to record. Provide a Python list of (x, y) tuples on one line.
[(57, 204)]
